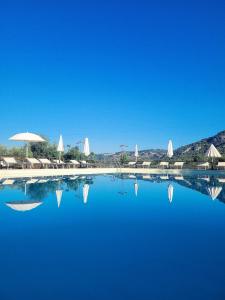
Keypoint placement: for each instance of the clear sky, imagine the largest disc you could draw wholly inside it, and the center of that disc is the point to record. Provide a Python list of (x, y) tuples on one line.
[(115, 71)]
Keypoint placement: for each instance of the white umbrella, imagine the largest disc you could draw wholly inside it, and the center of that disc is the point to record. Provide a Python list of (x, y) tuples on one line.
[(214, 191), (27, 137), (86, 147), (59, 196), (23, 205), (85, 192), (60, 147), (136, 152), (212, 152), (170, 149), (136, 188), (170, 193)]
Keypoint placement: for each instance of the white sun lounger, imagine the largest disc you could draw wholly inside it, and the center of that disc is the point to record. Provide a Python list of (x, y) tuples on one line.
[(45, 162), (32, 162), (58, 163), (145, 164), (203, 166), (164, 164), (74, 163), (221, 165), (131, 164), (178, 164), (10, 162)]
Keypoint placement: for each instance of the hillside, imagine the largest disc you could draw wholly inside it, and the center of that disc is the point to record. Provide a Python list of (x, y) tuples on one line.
[(199, 148)]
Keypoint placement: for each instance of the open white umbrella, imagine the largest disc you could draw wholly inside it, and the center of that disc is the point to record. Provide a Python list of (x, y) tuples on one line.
[(60, 147), (213, 152), (23, 205), (86, 147), (214, 191), (59, 196), (170, 149), (136, 152), (85, 192), (170, 193), (27, 137)]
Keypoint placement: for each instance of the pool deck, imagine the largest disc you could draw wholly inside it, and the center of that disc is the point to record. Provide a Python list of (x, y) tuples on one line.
[(29, 173)]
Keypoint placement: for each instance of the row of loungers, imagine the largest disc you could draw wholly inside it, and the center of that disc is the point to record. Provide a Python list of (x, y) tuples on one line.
[(147, 164), (8, 162), (176, 165)]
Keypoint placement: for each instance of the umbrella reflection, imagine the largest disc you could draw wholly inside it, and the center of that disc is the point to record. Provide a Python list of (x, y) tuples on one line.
[(170, 192), (214, 191), (85, 192), (136, 188), (23, 205), (59, 196)]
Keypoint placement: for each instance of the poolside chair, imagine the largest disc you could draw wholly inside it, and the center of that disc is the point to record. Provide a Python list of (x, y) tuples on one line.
[(83, 164), (145, 164), (11, 162), (73, 163), (164, 164), (131, 164), (58, 163), (46, 163), (32, 162), (203, 166), (221, 165), (178, 164)]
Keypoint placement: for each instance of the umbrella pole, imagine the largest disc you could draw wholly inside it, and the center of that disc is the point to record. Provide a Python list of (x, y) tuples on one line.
[(27, 149)]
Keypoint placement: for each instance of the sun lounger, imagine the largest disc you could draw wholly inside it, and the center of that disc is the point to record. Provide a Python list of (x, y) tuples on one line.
[(203, 166), (164, 164), (32, 162), (58, 163), (145, 164), (221, 165), (73, 163), (83, 164), (131, 164), (46, 163), (10, 162), (178, 164)]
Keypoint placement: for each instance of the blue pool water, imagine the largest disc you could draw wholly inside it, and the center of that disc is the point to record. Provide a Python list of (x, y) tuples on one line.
[(107, 237)]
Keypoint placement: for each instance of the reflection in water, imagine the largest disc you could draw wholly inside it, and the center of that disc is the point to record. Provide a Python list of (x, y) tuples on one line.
[(41, 188), (136, 188), (214, 191), (170, 192), (59, 196), (85, 192), (23, 205)]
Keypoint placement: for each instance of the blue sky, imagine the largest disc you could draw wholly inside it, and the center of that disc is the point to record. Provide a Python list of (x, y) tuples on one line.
[(119, 72)]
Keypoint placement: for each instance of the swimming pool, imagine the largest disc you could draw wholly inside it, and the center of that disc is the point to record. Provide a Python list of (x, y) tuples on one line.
[(113, 237)]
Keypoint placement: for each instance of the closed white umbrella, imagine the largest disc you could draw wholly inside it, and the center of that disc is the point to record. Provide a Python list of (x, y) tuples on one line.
[(213, 152), (136, 152), (170, 149), (27, 137), (170, 193), (59, 196), (60, 147), (214, 191), (86, 147), (85, 192), (23, 205)]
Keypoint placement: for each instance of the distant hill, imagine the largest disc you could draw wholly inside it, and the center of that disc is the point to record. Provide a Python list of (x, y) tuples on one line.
[(195, 151), (199, 148)]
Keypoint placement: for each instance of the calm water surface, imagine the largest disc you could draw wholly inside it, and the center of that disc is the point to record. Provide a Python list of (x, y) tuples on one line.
[(107, 237)]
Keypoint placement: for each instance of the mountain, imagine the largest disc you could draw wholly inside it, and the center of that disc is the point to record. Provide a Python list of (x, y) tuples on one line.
[(199, 148), (192, 152)]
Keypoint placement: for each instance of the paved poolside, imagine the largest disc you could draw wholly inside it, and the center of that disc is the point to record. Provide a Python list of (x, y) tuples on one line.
[(23, 173)]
